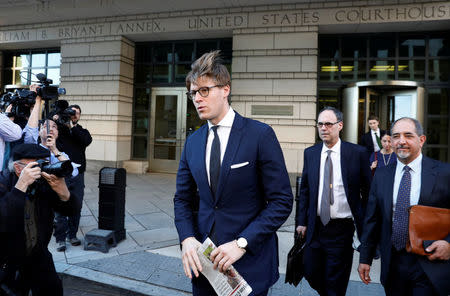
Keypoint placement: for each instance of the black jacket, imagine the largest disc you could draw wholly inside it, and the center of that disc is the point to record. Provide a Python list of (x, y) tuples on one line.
[(74, 142), (366, 141), (12, 203)]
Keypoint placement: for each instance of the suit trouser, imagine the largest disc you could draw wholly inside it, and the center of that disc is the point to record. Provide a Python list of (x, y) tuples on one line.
[(406, 276), (328, 258), (201, 287), (67, 226)]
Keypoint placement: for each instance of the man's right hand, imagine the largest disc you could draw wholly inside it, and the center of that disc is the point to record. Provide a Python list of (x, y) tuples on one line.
[(301, 229), (364, 270), (189, 256), (30, 173)]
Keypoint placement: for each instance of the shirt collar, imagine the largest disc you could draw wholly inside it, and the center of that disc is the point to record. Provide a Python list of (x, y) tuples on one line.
[(336, 148), (414, 165), (376, 131), (226, 121)]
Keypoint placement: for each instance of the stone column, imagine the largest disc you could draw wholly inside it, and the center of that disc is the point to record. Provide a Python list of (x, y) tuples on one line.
[(274, 80), (98, 75)]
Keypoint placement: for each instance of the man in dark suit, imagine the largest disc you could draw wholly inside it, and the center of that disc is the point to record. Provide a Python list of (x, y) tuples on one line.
[(372, 139), (236, 166), (335, 183), (413, 179)]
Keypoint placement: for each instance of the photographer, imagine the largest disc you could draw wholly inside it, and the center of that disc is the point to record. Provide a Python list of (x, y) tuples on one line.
[(27, 205), (9, 132), (35, 132), (73, 139)]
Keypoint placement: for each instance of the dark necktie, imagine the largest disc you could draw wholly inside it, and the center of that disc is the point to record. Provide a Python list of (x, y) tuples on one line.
[(400, 224), (327, 192), (378, 140), (214, 161)]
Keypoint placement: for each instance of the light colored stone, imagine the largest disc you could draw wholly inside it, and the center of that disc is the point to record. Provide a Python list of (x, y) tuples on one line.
[(239, 64), (135, 166), (296, 40), (105, 48), (93, 68), (309, 63), (273, 64), (252, 86), (307, 110), (75, 50), (294, 87), (256, 41), (295, 134)]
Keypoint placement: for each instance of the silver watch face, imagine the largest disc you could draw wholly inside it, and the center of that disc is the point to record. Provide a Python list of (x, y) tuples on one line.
[(242, 243)]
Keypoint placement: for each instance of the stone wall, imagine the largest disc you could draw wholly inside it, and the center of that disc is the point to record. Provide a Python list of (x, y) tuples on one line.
[(98, 74), (274, 80)]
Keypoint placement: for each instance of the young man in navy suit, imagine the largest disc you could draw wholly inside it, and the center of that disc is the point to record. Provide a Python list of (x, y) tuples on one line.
[(233, 170), (335, 183), (372, 139), (413, 179)]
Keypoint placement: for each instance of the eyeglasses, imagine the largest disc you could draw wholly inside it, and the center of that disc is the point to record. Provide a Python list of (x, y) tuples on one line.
[(326, 124), (203, 91)]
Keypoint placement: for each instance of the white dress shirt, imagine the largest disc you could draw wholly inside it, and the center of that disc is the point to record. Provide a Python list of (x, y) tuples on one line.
[(374, 139), (340, 208), (223, 131), (416, 180)]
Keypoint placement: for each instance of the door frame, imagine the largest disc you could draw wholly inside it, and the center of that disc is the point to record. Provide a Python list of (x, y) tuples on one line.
[(168, 165), (351, 95)]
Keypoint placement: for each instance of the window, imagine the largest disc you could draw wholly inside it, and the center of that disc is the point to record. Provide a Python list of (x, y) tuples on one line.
[(20, 68)]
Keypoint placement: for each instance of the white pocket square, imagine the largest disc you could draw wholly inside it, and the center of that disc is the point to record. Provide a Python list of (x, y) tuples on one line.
[(239, 165)]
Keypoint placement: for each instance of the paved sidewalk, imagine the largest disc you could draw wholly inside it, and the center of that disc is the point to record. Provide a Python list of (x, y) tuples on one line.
[(148, 260)]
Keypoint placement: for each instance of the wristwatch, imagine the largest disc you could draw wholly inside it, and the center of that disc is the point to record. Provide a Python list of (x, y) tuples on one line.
[(58, 154), (242, 243)]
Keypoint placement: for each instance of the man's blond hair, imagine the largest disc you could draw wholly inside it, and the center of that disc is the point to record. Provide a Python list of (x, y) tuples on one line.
[(209, 65)]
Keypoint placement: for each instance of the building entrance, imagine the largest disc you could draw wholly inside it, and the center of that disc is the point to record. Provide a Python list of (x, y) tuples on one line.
[(389, 100), (173, 118)]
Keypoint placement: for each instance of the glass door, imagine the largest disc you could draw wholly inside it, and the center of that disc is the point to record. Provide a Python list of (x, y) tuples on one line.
[(173, 119), (168, 130)]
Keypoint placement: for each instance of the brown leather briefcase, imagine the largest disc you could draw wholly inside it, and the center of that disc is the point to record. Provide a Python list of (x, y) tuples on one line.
[(426, 224)]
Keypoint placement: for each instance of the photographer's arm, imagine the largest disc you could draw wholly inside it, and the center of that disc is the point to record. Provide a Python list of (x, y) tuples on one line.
[(33, 121), (58, 185), (9, 131), (64, 200), (31, 130)]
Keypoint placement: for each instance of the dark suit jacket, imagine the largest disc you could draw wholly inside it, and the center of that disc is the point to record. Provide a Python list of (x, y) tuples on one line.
[(252, 201), (355, 176), (435, 192), (366, 141)]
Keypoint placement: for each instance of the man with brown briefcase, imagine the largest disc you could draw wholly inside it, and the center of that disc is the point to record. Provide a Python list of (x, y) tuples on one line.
[(413, 180)]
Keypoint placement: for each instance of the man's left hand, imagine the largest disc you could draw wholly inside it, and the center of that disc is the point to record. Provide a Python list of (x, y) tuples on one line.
[(58, 185), (225, 255), (440, 250)]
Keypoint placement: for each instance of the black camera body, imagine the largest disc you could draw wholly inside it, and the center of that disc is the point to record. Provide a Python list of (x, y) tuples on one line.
[(61, 108), (47, 91), (60, 169), (21, 101)]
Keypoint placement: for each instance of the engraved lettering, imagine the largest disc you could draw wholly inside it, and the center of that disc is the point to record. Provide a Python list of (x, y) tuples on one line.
[(414, 12), (265, 19)]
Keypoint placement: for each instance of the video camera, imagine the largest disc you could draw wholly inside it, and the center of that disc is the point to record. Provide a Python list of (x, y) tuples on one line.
[(21, 101), (61, 108), (47, 91)]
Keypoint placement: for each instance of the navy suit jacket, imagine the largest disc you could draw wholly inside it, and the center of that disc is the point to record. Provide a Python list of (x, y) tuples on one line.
[(252, 201), (366, 141), (355, 176), (434, 192)]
